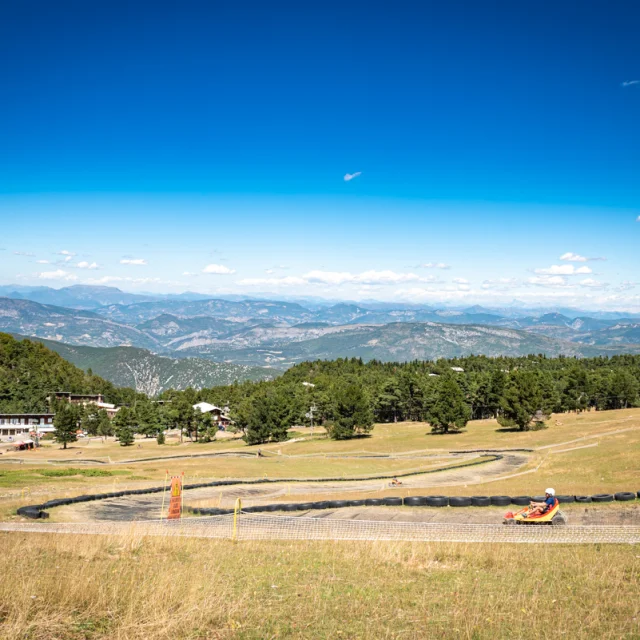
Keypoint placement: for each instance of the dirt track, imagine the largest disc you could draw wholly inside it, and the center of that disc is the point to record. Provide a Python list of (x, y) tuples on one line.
[(148, 507)]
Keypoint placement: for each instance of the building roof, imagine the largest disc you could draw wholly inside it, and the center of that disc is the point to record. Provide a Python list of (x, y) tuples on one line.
[(27, 415), (205, 407)]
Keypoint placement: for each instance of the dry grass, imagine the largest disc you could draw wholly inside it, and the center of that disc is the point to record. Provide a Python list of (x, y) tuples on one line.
[(132, 588)]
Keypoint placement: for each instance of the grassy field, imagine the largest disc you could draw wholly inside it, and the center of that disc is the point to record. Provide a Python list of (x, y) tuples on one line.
[(133, 588), (95, 587), (612, 464)]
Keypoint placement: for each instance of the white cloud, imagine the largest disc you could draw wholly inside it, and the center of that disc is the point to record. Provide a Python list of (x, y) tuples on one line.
[(285, 281), (133, 261), (630, 83), (269, 270), (638, 219), (351, 176), (86, 265), (573, 257), (593, 284), (42, 261), (563, 270), (218, 269), (366, 277), (136, 281), (189, 273), (24, 253), (434, 265), (64, 252), (59, 274), (548, 281), (500, 284), (461, 281)]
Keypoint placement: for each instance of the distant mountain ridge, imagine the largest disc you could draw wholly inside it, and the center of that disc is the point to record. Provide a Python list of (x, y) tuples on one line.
[(276, 334)]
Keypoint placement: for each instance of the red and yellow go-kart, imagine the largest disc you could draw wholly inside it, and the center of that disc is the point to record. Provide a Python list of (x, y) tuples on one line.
[(552, 516)]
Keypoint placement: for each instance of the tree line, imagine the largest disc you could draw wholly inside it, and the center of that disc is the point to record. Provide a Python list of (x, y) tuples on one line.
[(349, 395)]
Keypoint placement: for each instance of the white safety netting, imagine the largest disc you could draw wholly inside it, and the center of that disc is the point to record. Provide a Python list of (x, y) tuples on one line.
[(266, 527)]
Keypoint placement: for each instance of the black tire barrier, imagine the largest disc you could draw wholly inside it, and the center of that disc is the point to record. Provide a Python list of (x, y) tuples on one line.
[(437, 501), (490, 457), (392, 502), (481, 501), (583, 499), (416, 501), (373, 502), (539, 498), (289, 507), (321, 505), (358, 503), (602, 497), (500, 501), (566, 499), (306, 506), (624, 496), (521, 501), (460, 501)]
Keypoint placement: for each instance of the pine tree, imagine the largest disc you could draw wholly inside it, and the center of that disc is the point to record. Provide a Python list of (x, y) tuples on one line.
[(65, 422), (124, 422), (125, 436), (351, 412), (522, 401), (450, 410), (265, 419)]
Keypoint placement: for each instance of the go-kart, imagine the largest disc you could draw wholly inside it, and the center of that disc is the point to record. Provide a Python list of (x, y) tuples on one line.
[(552, 516)]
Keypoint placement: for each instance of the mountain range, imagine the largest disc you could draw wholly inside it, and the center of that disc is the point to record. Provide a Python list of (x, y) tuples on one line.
[(153, 342)]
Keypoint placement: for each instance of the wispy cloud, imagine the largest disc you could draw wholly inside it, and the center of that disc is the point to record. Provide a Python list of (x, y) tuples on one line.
[(563, 270), (42, 261), (59, 274), (85, 265), (285, 281), (218, 269), (350, 176), (630, 83), (24, 253), (576, 257), (134, 261), (638, 219), (593, 284), (461, 281), (434, 265), (549, 281)]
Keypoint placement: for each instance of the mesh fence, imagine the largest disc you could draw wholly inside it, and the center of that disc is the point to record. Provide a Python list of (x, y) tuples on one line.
[(265, 527)]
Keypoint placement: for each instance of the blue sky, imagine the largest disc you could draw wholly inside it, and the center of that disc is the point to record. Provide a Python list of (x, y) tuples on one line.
[(204, 146)]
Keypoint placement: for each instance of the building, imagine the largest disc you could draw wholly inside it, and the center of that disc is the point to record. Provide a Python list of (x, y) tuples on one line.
[(80, 398), (220, 417), (20, 425), (96, 399)]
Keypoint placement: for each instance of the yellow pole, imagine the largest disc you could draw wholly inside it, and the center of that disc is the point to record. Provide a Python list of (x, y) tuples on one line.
[(182, 497), (236, 510), (164, 491)]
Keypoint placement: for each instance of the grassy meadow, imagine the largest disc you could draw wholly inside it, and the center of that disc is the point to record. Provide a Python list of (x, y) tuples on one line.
[(94, 587)]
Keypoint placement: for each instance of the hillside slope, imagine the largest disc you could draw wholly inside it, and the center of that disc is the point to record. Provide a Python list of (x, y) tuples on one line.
[(29, 372), (151, 374)]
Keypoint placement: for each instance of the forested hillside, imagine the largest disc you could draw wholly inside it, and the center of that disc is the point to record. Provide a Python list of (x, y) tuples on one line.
[(29, 372)]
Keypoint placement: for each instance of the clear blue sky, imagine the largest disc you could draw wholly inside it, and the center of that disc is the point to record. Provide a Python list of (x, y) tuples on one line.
[(492, 137)]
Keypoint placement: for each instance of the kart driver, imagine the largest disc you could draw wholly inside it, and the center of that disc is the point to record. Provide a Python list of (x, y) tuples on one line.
[(543, 507)]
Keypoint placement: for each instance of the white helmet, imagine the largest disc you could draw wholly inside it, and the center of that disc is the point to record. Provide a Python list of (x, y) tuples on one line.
[(551, 492)]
